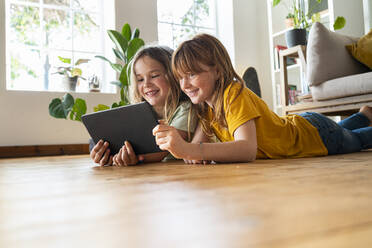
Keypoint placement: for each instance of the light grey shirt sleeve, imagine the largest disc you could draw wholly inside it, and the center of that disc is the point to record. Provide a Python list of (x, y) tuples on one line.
[(180, 118)]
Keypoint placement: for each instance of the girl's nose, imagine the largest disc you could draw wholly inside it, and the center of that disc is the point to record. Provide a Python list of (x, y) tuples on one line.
[(147, 81), (184, 83)]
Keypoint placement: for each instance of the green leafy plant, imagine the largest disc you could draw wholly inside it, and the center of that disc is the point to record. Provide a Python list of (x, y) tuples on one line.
[(126, 44), (301, 20), (67, 106), (71, 71)]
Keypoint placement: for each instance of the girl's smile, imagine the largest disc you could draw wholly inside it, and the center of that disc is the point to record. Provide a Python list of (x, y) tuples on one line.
[(192, 93), (151, 93)]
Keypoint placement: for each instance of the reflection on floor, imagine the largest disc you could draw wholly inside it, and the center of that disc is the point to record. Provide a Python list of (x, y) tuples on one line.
[(66, 201)]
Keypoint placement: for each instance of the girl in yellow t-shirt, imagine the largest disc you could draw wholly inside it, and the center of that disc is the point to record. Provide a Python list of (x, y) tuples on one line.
[(243, 123)]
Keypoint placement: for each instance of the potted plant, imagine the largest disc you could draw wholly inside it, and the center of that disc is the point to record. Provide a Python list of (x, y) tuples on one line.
[(71, 74), (297, 35), (289, 20), (302, 22), (127, 44)]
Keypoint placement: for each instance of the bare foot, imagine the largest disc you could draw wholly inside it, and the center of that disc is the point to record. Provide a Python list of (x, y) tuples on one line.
[(367, 111)]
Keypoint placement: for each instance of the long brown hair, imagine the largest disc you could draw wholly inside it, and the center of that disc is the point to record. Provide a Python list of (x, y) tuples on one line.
[(163, 55), (207, 50)]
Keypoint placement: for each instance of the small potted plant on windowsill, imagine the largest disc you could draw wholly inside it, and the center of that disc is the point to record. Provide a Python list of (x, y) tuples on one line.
[(71, 74)]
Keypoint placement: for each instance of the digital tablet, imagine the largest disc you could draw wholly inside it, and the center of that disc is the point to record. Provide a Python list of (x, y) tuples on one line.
[(133, 123)]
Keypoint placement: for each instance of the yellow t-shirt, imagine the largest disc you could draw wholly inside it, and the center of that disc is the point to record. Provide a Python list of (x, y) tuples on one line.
[(277, 137)]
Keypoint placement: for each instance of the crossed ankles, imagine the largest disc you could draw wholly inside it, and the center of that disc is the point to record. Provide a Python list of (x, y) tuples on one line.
[(367, 111)]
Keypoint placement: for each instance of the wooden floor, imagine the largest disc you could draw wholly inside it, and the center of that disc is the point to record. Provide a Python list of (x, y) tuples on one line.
[(66, 201)]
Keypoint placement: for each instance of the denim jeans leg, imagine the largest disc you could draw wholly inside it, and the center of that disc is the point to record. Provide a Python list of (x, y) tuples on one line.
[(355, 121), (351, 142), (365, 136), (337, 139)]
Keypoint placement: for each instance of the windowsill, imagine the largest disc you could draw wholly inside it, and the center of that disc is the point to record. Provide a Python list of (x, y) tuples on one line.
[(60, 92)]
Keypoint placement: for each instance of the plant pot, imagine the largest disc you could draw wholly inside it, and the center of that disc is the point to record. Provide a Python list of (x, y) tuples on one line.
[(69, 83), (289, 22), (295, 37), (94, 85)]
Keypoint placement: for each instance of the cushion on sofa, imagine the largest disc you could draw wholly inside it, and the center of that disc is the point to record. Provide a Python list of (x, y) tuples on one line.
[(327, 57), (358, 84), (362, 50)]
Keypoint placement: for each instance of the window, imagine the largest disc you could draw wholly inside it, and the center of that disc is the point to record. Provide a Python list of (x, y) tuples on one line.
[(180, 20), (40, 31)]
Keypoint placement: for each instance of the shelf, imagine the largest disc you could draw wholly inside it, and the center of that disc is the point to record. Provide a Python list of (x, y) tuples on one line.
[(277, 30), (323, 14), (280, 32), (289, 67)]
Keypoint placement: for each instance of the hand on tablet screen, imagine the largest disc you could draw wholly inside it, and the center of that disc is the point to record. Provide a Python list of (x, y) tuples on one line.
[(100, 154)]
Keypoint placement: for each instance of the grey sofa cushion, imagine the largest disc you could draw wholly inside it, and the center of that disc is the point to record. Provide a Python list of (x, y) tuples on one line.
[(359, 84), (327, 57)]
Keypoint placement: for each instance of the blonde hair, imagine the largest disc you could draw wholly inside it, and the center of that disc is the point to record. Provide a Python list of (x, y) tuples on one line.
[(163, 55), (207, 50)]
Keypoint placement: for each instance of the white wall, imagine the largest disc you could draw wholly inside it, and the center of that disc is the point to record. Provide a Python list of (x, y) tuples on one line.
[(353, 13), (252, 43), (24, 115), (141, 14), (367, 11)]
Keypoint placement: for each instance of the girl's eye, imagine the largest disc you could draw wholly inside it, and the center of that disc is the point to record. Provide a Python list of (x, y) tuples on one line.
[(139, 79), (191, 75), (155, 76)]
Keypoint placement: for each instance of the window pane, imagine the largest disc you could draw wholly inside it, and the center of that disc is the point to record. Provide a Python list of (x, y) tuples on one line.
[(89, 5), (58, 2), (207, 31), (205, 13), (57, 29), (32, 1), (164, 11), (25, 69), (181, 33), (87, 35), (176, 11), (24, 25), (165, 34), (177, 23)]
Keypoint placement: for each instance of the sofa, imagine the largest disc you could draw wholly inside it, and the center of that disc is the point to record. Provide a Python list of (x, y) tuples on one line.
[(339, 83)]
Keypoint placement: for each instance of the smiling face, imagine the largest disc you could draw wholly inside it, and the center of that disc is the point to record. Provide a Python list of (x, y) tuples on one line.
[(199, 87), (152, 83)]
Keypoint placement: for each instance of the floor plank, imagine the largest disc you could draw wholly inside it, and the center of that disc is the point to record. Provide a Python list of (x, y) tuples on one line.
[(66, 201)]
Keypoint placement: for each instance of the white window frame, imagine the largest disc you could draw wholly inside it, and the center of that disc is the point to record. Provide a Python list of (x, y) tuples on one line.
[(104, 48)]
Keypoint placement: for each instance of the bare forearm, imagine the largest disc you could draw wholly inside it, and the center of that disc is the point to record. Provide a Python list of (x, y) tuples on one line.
[(199, 136), (235, 151), (154, 157)]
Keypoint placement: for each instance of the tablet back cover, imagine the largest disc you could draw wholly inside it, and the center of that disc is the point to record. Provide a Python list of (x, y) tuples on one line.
[(133, 123)]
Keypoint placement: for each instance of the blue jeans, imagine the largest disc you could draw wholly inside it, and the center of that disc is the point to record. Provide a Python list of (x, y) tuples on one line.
[(350, 135)]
